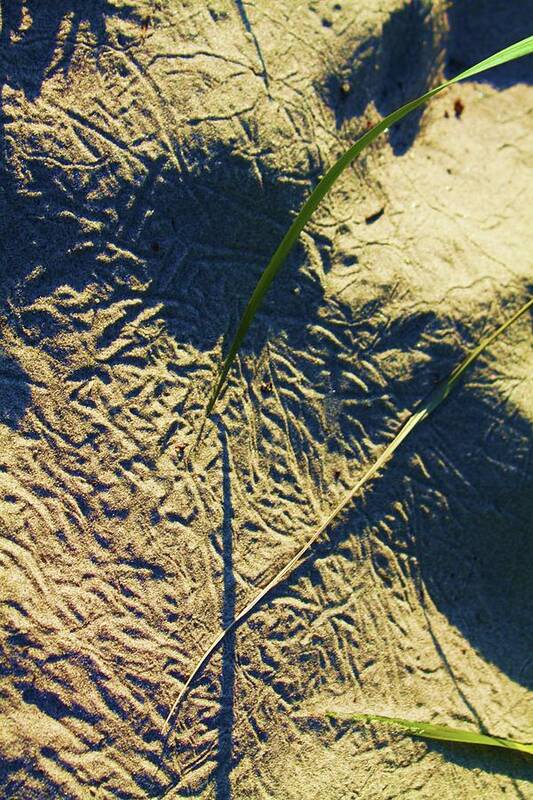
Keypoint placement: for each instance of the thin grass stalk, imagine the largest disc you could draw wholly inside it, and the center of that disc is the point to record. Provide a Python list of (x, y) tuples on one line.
[(427, 407)]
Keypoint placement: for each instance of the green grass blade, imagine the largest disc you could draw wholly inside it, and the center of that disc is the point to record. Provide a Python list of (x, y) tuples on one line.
[(440, 732), (434, 399), (517, 50)]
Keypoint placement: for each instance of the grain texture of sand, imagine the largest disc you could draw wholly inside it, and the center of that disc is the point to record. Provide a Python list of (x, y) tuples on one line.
[(152, 154)]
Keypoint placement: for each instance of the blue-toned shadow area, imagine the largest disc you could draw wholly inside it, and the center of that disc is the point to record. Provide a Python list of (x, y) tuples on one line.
[(15, 392), (225, 736), (480, 28)]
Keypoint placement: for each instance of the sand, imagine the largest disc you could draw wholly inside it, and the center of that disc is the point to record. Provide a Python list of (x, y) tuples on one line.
[(152, 157)]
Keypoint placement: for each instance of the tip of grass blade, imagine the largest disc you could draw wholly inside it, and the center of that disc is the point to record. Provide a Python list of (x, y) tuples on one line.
[(442, 733)]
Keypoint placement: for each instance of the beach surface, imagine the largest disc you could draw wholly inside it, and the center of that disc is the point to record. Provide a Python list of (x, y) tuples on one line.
[(152, 156)]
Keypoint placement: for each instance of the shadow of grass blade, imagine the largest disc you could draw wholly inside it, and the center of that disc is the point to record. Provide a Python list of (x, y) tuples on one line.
[(517, 50), (441, 733), (432, 401)]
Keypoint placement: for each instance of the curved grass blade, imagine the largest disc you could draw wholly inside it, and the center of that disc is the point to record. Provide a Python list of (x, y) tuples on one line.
[(517, 50), (433, 400), (440, 732)]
